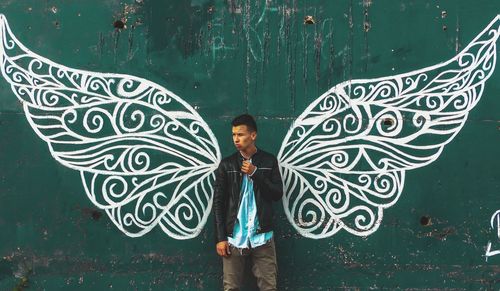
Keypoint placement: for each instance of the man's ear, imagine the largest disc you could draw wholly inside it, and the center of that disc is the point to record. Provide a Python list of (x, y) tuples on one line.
[(253, 135)]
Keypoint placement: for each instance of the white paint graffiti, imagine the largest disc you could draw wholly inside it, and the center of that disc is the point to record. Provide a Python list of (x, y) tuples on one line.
[(344, 159), (147, 158), (144, 155), (495, 222)]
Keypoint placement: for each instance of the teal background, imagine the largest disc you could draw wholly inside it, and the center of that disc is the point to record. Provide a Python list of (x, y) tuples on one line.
[(229, 57)]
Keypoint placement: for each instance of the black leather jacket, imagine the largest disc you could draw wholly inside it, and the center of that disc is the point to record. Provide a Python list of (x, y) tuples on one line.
[(267, 187)]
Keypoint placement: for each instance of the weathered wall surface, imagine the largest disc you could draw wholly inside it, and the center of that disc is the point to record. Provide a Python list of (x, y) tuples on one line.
[(229, 57)]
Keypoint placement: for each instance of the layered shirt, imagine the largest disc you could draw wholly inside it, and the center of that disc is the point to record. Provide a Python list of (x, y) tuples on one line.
[(244, 232)]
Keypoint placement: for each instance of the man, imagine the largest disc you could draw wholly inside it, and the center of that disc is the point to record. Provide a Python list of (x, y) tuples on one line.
[(246, 184)]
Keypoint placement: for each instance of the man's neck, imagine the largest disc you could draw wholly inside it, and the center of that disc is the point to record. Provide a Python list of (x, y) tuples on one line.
[(247, 154)]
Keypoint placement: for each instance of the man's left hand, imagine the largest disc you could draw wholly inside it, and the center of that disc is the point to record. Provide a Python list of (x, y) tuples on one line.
[(247, 168)]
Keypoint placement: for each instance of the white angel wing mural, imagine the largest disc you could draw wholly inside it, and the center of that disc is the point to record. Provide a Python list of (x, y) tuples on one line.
[(147, 158), (144, 155), (344, 159)]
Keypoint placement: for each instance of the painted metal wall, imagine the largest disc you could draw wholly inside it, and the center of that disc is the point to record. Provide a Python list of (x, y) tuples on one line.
[(262, 57)]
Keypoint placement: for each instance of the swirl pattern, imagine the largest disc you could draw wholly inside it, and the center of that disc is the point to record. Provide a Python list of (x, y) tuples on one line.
[(147, 158), (144, 155), (344, 159)]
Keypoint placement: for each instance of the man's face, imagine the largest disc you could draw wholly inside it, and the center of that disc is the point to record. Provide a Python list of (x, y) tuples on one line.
[(243, 138)]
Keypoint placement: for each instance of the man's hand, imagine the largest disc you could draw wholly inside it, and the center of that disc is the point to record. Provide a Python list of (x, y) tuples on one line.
[(223, 249), (247, 167)]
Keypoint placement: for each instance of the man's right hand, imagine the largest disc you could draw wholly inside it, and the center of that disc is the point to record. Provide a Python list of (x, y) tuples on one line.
[(223, 249)]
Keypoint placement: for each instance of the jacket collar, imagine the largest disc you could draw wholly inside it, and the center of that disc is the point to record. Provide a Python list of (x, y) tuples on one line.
[(257, 152), (239, 158)]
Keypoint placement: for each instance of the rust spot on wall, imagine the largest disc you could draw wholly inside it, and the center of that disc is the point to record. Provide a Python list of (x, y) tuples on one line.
[(388, 121), (425, 220), (92, 213), (96, 215), (124, 16), (439, 231), (366, 26), (309, 20), (119, 24)]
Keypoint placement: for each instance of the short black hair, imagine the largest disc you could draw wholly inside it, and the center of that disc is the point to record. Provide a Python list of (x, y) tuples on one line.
[(245, 119)]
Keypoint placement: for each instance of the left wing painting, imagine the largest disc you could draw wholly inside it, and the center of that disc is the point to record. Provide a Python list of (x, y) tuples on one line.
[(145, 156)]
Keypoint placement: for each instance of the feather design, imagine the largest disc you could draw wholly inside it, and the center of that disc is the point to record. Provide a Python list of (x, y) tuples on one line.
[(344, 159), (145, 156)]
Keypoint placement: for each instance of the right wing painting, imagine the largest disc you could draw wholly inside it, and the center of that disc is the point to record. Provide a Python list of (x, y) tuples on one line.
[(344, 159), (144, 155)]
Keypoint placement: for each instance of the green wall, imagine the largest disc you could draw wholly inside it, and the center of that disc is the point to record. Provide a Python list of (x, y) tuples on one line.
[(229, 57)]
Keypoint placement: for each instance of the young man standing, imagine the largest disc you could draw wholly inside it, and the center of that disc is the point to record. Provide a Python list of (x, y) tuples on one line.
[(246, 184)]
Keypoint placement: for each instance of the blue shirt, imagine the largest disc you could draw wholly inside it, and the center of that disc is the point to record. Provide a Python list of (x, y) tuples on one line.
[(247, 222)]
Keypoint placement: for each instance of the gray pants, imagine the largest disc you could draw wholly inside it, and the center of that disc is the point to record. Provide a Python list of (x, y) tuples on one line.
[(264, 266)]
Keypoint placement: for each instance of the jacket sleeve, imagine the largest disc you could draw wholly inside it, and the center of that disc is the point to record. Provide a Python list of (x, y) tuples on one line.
[(220, 198), (271, 185)]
